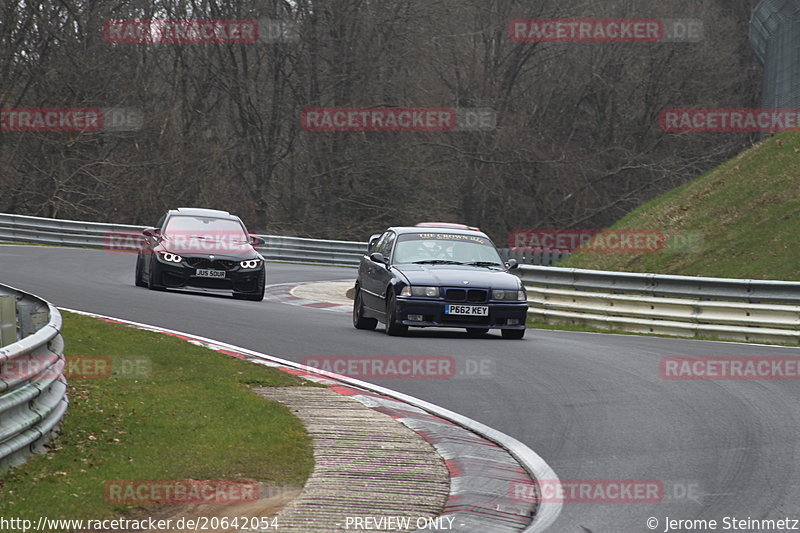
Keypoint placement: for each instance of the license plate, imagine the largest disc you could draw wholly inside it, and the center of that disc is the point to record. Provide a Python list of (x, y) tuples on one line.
[(208, 273), (466, 310)]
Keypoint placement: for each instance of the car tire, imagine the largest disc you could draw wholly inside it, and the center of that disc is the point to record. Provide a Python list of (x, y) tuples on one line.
[(392, 327), (262, 285), (151, 276), (513, 333), (138, 281), (359, 320), (258, 295), (477, 332)]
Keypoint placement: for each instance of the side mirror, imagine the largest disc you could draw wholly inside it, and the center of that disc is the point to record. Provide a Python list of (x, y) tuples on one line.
[(372, 240), (511, 264), (151, 232), (377, 257), (257, 240)]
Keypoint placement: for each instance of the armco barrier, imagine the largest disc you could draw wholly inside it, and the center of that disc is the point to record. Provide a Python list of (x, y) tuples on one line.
[(33, 391), (534, 256), (732, 309), (19, 228)]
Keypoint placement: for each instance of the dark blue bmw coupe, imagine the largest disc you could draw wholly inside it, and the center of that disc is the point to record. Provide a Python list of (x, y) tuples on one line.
[(438, 276)]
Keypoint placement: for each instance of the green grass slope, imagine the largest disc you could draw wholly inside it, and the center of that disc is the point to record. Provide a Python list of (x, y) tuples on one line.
[(747, 212)]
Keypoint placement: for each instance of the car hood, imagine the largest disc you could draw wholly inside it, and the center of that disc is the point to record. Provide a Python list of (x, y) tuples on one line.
[(455, 276), (220, 248)]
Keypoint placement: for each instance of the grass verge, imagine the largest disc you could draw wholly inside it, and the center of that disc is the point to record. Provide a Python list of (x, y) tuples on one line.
[(189, 415), (747, 211)]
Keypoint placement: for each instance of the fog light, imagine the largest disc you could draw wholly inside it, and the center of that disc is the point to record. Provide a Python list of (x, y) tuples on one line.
[(415, 318), (512, 321)]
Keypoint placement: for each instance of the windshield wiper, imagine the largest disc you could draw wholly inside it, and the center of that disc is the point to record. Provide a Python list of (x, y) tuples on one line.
[(485, 264), (437, 262)]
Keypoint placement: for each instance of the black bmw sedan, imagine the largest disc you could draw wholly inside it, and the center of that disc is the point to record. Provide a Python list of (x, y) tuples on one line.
[(437, 276), (205, 248)]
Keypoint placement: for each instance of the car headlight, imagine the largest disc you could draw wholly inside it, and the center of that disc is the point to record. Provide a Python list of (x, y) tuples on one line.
[(428, 292), (250, 263), (519, 295), (171, 258)]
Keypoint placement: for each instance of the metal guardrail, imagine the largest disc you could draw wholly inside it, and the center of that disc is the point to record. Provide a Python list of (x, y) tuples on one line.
[(534, 256), (300, 250), (732, 309), (33, 390), (38, 230)]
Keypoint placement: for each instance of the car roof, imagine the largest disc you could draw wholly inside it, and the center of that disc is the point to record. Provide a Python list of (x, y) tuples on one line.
[(401, 230), (200, 212), (445, 225)]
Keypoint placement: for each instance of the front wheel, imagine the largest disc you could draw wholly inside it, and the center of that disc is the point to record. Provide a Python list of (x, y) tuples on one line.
[(138, 276), (393, 328), (153, 275), (359, 320), (513, 333), (256, 296)]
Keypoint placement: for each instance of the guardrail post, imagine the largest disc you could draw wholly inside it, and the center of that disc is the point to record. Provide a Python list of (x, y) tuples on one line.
[(8, 319), (32, 317)]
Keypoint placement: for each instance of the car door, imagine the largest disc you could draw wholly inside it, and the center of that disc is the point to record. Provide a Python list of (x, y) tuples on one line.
[(373, 275), (383, 272)]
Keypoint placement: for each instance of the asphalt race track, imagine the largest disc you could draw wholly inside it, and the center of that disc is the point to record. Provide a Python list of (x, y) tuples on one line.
[(593, 406)]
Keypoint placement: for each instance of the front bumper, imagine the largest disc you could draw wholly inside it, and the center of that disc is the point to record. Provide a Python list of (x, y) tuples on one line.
[(237, 279), (433, 314)]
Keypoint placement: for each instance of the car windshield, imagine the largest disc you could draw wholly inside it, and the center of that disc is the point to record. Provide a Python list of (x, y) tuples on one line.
[(223, 229), (446, 248)]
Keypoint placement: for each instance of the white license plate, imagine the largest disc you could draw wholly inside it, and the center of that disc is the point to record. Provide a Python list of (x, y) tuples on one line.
[(466, 310), (208, 273)]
